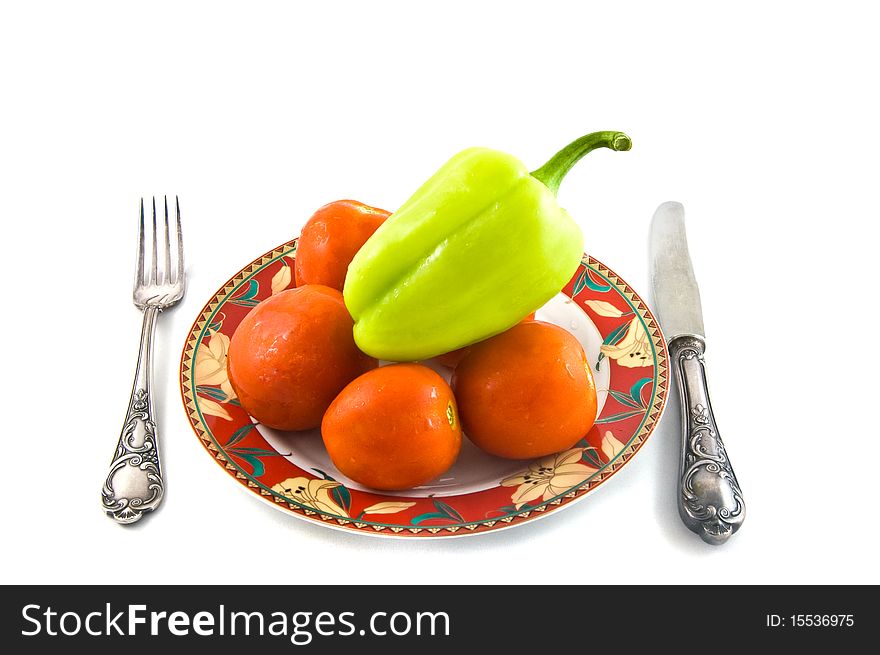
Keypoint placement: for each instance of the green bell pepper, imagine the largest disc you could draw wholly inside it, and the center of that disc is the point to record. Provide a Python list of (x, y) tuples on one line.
[(479, 246)]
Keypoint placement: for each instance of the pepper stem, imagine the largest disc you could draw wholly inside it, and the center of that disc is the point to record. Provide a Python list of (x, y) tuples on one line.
[(553, 171)]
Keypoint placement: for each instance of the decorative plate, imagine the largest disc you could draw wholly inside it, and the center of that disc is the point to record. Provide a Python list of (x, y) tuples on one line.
[(480, 493)]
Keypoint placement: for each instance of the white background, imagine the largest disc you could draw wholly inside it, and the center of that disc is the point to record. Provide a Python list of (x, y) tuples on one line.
[(762, 118)]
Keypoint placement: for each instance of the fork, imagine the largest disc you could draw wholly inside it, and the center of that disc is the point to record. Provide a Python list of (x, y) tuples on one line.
[(134, 483)]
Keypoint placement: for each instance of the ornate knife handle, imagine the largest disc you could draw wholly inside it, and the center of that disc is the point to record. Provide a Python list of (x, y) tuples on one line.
[(134, 483), (709, 498)]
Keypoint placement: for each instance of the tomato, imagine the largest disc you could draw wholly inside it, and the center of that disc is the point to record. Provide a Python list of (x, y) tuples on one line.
[(292, 354), (527, 392), (395, 427), (330, 239)]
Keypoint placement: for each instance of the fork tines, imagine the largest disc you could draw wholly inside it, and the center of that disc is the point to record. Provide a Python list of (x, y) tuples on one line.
[(165, 274)]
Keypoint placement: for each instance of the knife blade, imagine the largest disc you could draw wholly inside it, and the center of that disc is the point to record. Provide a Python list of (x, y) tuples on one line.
[(676, 293), (710, 501)]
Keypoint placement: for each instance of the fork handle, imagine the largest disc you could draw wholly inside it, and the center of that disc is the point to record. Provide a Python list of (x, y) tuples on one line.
[(134, 482)]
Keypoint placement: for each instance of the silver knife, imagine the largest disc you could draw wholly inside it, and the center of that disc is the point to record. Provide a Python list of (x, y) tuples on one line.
[(709, 498)]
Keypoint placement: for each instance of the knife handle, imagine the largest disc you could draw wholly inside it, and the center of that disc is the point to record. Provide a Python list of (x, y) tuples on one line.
[(709, 498)]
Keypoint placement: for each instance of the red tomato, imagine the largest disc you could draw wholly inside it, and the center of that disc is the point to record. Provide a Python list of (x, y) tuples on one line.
[(527, 392), (395, 427), (331, 238), (292, 354)]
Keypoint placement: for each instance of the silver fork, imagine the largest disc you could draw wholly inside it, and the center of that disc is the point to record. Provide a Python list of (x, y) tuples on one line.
[(134, 483)]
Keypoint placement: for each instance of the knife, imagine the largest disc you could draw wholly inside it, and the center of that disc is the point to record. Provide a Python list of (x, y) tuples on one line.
[(709, 498)]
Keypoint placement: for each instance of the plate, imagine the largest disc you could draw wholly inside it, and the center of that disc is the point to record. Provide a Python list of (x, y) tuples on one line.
[(480, 493)]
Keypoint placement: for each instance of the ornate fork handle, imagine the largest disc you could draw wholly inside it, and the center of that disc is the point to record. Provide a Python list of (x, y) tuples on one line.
[(134, 483), (709, 498)]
